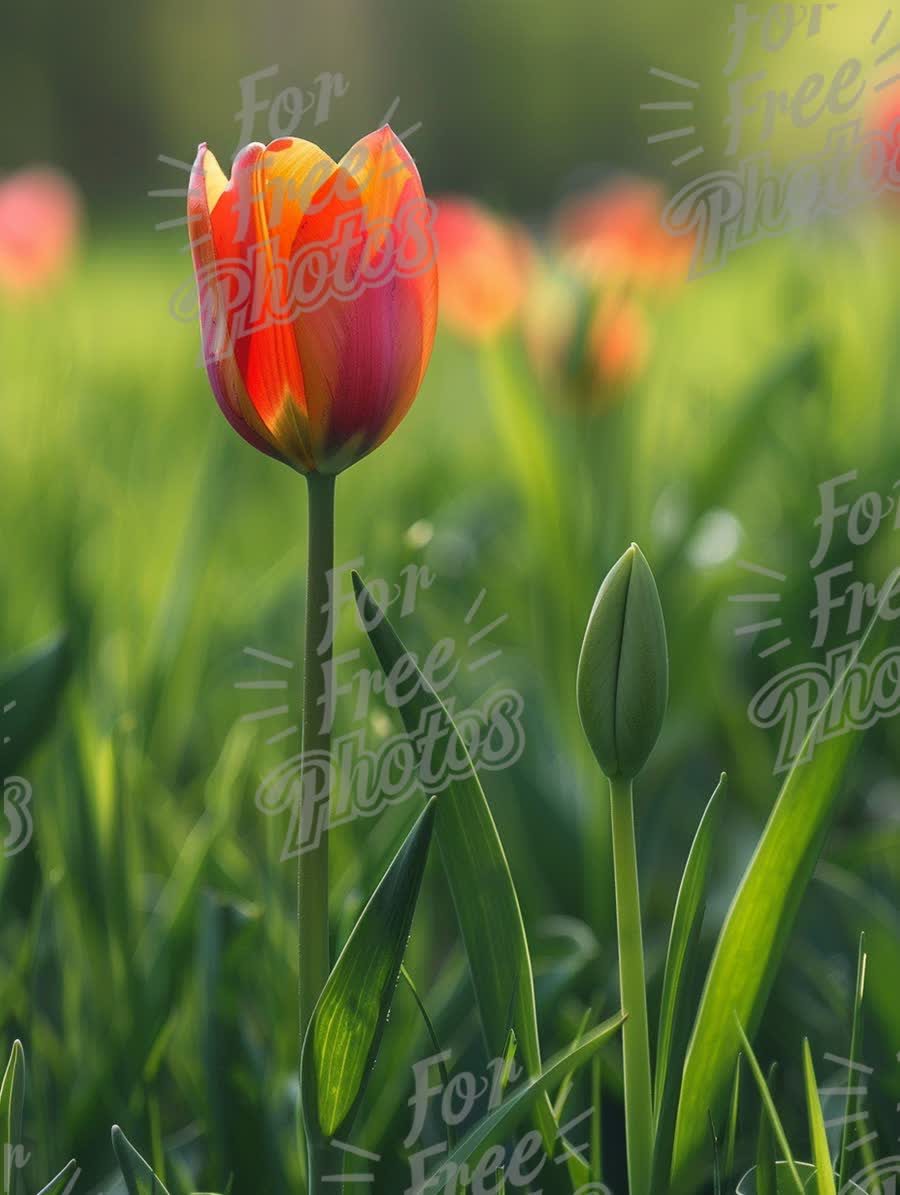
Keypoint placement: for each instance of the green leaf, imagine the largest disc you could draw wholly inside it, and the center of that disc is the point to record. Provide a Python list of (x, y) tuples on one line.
[(31, 686), (12, 1100), (500, 1123), (139, 1178), (60, 1184), (349, 1018), (686, 925), (753, 938), (484, 896), (818, 1138), (771, 1111)]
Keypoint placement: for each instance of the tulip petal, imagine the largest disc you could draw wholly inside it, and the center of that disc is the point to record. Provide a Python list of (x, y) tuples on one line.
[(365, 350), (206, 186), (259, 313)]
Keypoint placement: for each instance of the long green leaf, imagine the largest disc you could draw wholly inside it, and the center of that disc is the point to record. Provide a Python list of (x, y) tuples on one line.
[(139, 1178), (498, 1124), (752, 941), (817, 1135), (484, 896), (12, 1102), (349, 1019)]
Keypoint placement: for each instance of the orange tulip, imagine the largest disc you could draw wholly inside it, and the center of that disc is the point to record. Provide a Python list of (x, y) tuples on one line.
[(484, 267), (618, 232), (317, 285), (40, 215)]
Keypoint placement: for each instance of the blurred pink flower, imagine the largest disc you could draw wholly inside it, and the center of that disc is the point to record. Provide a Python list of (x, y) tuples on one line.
[(40, 218)]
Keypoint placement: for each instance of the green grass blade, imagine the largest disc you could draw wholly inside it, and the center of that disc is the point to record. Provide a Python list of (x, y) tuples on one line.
[(139, 1178), (435, 1045), (484, 896), (753, 938), (12, 1102), (689, 908), (731, 1143), (766, 1174), (350, 1017), (818, 1138), (855, 1045), (681, 966), (504, 1119), (770, 1110), (60, 1184)]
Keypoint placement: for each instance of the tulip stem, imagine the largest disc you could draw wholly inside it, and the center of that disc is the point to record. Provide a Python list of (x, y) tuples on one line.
[(312, 864), (635, 1036)]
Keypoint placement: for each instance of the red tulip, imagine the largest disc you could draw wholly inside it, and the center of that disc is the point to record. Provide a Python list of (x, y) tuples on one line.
[(484, 267), (40, 215), (318, 294)]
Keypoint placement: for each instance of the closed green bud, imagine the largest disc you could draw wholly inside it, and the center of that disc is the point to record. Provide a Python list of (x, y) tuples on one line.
[(623, 673)]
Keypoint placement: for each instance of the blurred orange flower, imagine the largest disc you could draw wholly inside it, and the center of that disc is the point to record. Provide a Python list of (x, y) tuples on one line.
[(618, 232), (484, 264), (317, 283), (40, 218)]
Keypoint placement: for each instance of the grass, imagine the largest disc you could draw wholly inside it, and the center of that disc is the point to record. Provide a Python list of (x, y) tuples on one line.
[(147, 946)]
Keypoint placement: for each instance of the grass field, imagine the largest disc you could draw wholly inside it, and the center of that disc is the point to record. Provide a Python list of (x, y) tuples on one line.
[(147, 944)]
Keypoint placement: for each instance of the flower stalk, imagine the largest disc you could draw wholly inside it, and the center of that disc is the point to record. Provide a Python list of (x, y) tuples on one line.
[(633, 991), (312, 865)]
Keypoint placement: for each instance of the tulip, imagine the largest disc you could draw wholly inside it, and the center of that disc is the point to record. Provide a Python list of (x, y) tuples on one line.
[(622, 689), (484, 264), (317, 289), (617, 232), (623, 671), (318, 294), (40, 214)]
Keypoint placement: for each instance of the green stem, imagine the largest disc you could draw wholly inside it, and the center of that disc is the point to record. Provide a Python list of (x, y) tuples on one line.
[(312, 865), (635, 1036)]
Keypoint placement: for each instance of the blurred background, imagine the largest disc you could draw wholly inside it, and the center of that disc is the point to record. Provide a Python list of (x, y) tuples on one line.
[(585, 391)]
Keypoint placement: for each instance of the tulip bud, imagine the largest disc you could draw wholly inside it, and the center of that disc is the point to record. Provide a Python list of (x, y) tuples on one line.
[(623, 672)]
